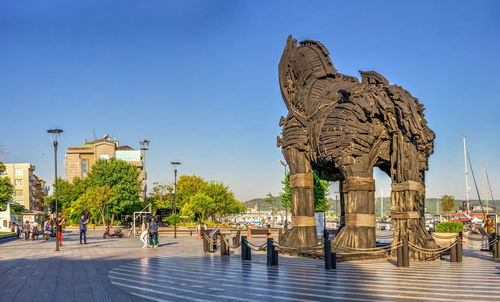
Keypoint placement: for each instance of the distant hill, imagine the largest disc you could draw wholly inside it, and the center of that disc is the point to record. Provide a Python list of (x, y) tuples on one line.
[(431, 205)]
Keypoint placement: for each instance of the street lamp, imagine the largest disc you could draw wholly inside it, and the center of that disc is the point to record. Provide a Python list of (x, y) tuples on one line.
[(54, 135), (286, 208), (175, 164), (144, 148)]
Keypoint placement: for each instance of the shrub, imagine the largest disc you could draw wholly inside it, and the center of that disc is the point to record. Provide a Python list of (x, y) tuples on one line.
[(117, 223), (450, 227)]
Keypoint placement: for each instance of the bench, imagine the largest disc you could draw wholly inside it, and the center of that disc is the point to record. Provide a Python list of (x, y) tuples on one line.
[(266, 232)]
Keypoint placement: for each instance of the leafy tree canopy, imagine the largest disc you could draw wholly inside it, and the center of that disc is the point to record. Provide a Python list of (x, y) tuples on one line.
[(320, 192), (447, 203), (122, 178), (6, 188)]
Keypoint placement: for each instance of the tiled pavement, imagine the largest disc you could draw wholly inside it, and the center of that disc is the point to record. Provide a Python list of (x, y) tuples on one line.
[(119, 270)]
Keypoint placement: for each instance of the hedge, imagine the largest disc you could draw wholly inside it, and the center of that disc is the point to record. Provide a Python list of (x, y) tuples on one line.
[(450, 227)]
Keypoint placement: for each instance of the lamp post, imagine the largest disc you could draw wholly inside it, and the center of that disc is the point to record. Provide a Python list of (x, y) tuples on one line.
[(286, 208), (144, 148), (54, 134), (175, 164)]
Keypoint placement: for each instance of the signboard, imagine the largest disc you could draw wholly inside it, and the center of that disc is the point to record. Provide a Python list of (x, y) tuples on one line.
[(128, 155)]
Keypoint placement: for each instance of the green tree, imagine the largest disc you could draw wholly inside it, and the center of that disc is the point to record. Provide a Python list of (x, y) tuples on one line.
[(202, 204), (17, 209), (163, 195), (122, 178), (187, 187), (286, 193), (223, 198), (6, 188), (320, 190), (67, 193), (447, 203), (94, 201)]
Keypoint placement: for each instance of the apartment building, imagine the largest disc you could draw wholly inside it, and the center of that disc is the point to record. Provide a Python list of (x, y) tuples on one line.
[(29, 189), (80, 159)]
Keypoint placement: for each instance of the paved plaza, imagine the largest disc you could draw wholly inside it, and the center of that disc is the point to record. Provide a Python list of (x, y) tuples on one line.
[(120, 270)]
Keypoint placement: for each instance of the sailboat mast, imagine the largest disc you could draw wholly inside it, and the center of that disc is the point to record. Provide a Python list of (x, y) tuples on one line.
[(489, 188), (466, 178), (486, 188)]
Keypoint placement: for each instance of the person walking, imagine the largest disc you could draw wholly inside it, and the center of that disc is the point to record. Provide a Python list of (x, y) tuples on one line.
[(34, 230), (490, 229), (83, 229), (145, 236), (153, 232), (26, 230), (59, 226)]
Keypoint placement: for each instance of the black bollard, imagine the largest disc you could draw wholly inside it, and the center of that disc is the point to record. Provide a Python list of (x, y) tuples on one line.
[(327, 253), (459, 248), (272, 254), (246, 253), (406, 253)]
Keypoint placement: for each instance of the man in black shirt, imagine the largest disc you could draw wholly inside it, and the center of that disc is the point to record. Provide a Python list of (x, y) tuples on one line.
[(83, 229)]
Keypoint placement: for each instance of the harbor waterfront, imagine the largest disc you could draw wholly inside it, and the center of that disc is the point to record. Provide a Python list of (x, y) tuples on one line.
[(179, 270)]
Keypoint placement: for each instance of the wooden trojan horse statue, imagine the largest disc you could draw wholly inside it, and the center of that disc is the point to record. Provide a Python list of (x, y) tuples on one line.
[(341, 128)]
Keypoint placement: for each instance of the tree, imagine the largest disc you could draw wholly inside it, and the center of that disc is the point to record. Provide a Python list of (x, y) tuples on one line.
[(94, 201), (122, 178), (286, 193), (67, 193), (223, 198), (162, 196), (6, 188), (208, 199), (187, 187), (320, 192), (202, 204), (447, 203)]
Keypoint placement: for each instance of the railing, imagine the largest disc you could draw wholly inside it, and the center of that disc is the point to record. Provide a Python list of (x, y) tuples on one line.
[(330, 250)]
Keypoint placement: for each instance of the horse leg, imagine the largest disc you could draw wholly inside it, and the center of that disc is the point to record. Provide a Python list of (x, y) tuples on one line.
[(303, 231)]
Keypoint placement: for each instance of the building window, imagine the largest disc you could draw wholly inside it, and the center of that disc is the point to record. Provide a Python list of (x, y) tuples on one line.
[(85, 165), (18, 182), (18, 172), (19, 192)]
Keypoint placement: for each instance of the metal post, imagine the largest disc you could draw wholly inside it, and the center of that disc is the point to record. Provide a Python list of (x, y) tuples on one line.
[(55, 195), (327, 253), (246, 253), (406, 253), (459, 248), (175, 202), (272, 254)]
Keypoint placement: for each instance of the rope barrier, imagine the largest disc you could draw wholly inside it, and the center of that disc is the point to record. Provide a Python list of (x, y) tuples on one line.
[(431, 251)]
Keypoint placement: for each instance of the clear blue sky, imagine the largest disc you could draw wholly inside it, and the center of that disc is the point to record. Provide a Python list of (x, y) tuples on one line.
[(199, 79)]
